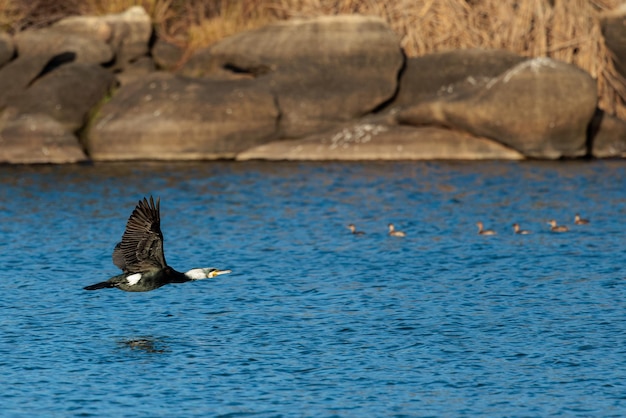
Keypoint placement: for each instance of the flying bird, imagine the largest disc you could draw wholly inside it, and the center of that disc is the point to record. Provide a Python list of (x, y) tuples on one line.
[(140, 255)]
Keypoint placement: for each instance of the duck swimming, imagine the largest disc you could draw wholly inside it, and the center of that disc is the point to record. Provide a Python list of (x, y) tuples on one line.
[(482, 231), (580, 221), (557, 228), (517, 230), (352, 229), (392, 231), (140, 255)]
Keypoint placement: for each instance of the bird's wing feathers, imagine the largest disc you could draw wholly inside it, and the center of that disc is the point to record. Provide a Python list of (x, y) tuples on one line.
[(118, 257), (141, 248)]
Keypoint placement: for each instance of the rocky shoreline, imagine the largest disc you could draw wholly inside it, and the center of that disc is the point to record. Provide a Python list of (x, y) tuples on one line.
[(331, 88)]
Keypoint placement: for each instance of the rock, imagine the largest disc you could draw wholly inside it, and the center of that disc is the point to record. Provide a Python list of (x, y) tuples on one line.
[(17, 75), (609, 136), (204, 64), (36, 139), (85, 26), (132, 31), (541, 107), (54, 41), (166, 55), (7, 49), (450, 72), (167, 117), (136, 70), (324, 71), (613, 26), (67, 94), (127, 34), (374, 141)]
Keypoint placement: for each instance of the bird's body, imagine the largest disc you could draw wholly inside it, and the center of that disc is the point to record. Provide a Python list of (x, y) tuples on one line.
[(517, 230), (482, 231), (557, 228), (354, 231), (140, 255), (580, 221), (392, 231)]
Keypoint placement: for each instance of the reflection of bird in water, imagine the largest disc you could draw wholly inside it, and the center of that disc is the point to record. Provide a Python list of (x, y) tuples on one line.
[(140, 255), (517, 230), (482, 231), (580, 221), (352, 229), (146, 344), (394, 233), (557, 228)]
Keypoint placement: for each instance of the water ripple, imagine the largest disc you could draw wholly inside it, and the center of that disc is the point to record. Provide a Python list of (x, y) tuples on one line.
[(314, 321)]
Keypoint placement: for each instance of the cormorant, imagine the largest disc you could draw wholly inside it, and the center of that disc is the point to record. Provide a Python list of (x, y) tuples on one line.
[(140, 255), (517, 230), (482, 231), (580, 221), (394, 233), (352, 229), (557, 228)]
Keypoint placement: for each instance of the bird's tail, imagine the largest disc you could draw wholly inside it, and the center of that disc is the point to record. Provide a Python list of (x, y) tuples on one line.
[(101, 285)]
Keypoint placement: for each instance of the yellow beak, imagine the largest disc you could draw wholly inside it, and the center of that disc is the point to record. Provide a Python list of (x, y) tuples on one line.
[(218, 272)]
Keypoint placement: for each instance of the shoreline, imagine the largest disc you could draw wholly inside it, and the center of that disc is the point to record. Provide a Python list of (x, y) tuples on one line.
[(330, 88)]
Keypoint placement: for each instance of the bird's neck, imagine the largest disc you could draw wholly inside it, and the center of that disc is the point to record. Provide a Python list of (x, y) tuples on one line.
[(177, 276)]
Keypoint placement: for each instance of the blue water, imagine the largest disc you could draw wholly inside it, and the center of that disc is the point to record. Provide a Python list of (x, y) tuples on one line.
[(314, 321)]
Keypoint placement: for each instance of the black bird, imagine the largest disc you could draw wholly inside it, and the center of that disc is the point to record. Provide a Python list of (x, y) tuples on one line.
[(140, 255)]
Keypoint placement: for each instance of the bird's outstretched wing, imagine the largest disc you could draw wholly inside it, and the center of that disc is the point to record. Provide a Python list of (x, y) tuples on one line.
[(141, 248), (118, 257)]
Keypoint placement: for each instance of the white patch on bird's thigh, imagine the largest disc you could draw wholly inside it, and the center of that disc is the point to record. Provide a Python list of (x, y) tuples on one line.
[(133, 279)]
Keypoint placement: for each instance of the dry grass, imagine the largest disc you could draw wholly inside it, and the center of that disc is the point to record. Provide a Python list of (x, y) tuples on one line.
[(10, 13), (567, 30), (233, 17)]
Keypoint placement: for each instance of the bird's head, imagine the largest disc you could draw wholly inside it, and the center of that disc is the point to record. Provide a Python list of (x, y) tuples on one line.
[(205, 273)]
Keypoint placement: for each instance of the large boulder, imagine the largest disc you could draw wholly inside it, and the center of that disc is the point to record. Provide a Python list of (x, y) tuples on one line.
[(55, 41), (323, 71), (7, 49), (447, 73), (608, 136), (16, 76), (127, 34), (67, 94), (540, 107), (371, 140), (167, 117), (85, 26), (36, 138), (131, 35)]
